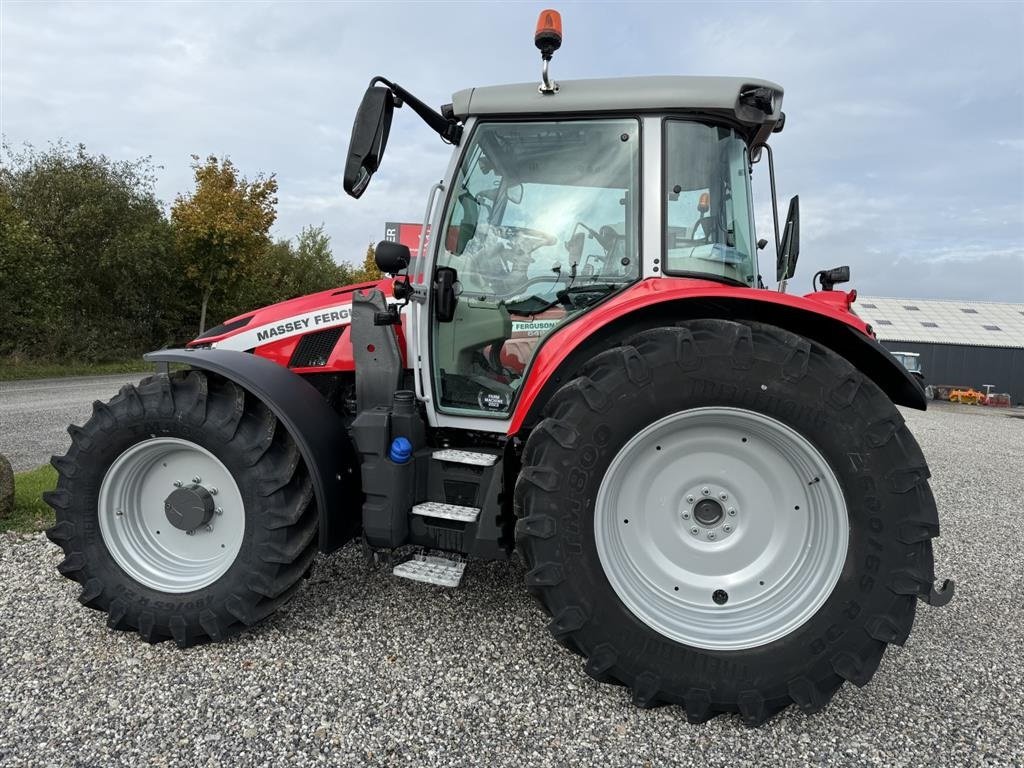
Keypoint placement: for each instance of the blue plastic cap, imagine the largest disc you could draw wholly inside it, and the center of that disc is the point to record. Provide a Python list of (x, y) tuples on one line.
[(401, 450)]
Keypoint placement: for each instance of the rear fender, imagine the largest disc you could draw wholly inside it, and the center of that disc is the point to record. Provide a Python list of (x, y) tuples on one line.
[(658, 303), (317, 429)]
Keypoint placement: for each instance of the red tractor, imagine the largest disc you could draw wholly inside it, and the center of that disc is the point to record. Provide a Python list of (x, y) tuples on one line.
[(716, 499)]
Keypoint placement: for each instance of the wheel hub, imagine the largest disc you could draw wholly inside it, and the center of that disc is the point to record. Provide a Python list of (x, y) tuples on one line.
[(708, 512), (189, 507)]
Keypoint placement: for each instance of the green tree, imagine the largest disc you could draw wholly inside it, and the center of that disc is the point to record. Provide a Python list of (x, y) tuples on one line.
[(85, 255), (223, 226), (315, 268)]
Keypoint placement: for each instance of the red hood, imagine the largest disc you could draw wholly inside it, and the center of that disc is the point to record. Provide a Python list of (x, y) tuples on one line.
[(272, 319)]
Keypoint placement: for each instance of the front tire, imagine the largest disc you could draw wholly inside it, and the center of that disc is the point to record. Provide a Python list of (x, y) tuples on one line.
[(792, 600), (253, 534)]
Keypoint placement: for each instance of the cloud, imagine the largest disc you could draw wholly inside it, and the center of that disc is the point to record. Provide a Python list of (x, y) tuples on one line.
[(896, 140)]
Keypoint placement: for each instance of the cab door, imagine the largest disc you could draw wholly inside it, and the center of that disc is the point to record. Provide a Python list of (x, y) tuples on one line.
[(540, 223)]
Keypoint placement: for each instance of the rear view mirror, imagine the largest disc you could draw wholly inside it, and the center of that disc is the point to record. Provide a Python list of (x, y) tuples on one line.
[(515, 193), (789, 251), (369, 138)]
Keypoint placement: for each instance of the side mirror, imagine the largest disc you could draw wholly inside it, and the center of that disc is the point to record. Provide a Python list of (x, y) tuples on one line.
[(445, 297), (369, 138), (391, 258), (789, 251)]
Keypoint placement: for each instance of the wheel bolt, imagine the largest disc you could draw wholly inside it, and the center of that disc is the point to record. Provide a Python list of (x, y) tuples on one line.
[(686, 515), (723, 496), (120, 512), (732, 511), (209, 528), (727, 528), (219, 510), (190, 533), (689, 499), (177, 483), (711, 534), (213, 490), (197, 479), (695, 531), (706, 491)]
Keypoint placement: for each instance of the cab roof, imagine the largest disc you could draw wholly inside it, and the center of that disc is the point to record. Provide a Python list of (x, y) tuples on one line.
[(713, 96)]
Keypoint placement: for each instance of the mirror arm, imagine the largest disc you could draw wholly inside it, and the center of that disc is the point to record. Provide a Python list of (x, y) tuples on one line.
[(450, 131)]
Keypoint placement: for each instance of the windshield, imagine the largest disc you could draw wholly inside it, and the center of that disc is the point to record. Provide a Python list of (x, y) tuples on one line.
[(539, 207), (541, 223), (709, 224)]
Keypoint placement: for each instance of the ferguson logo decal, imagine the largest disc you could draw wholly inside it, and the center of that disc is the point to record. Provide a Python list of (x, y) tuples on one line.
[(282, 330), (292, 326), (302, 324)]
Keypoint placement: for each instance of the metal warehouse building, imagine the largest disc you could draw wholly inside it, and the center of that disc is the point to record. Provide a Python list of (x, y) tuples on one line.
[(964, 343)]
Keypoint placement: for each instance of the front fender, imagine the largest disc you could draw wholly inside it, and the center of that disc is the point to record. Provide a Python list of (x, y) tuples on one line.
[(665, 301), (317, 429)]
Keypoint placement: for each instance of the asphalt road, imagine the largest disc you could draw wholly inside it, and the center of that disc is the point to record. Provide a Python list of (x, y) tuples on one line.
[(34, 414), (363, 669)]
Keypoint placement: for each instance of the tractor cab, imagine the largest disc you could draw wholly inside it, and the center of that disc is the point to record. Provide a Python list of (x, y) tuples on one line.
[(558, 197)]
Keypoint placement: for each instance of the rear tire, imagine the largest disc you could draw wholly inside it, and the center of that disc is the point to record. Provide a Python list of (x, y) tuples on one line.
[(274, 532), (718, 367)]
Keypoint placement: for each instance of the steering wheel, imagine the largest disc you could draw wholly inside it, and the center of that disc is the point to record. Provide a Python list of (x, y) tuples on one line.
[(525, 241), (540, 237)]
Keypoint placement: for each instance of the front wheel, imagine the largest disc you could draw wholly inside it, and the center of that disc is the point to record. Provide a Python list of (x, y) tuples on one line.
[(726, 516), (184, 509)]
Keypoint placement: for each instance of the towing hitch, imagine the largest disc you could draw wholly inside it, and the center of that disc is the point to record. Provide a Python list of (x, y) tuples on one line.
[(939, 597)]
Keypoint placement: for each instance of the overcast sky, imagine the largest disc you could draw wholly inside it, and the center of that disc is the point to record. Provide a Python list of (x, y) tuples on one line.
[(904, 140)]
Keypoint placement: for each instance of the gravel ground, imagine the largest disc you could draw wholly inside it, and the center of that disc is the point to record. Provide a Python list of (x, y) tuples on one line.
[(361, 669), (34, 414)]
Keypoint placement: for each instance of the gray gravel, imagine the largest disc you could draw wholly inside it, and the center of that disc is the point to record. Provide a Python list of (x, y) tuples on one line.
[(364, 670), (34, 414)]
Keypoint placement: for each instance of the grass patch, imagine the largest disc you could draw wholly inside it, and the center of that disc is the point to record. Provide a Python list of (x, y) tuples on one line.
[(14, 370), (30, 511)]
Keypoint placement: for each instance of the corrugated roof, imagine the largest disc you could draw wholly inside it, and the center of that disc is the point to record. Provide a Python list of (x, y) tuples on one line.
[(973, 323)]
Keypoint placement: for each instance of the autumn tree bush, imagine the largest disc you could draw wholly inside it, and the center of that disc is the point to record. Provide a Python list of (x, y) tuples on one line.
[(92, 268)]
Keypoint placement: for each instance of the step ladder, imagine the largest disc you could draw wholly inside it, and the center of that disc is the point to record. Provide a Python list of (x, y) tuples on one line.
[(432, 569), (442, 569), (447, 511), (473, 458)]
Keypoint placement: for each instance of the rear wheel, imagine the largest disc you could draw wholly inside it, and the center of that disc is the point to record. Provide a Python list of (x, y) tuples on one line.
[(184, 509), (728, 517)]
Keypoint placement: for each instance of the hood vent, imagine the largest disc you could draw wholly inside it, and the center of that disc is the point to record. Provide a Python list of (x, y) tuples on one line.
[(314, 349), (217, 330)]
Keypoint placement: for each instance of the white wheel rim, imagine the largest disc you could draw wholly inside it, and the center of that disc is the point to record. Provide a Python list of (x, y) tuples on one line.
[(136, 529), (776, 551)]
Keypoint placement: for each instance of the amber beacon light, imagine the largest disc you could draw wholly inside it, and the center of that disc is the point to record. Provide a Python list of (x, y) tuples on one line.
[(548, 39)]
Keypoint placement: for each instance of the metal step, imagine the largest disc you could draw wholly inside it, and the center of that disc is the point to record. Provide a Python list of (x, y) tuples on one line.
[(431, 569), (466, 457), (447, 511)]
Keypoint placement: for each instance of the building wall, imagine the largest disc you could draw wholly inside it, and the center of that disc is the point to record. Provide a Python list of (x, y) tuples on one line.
[(969, 366)]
